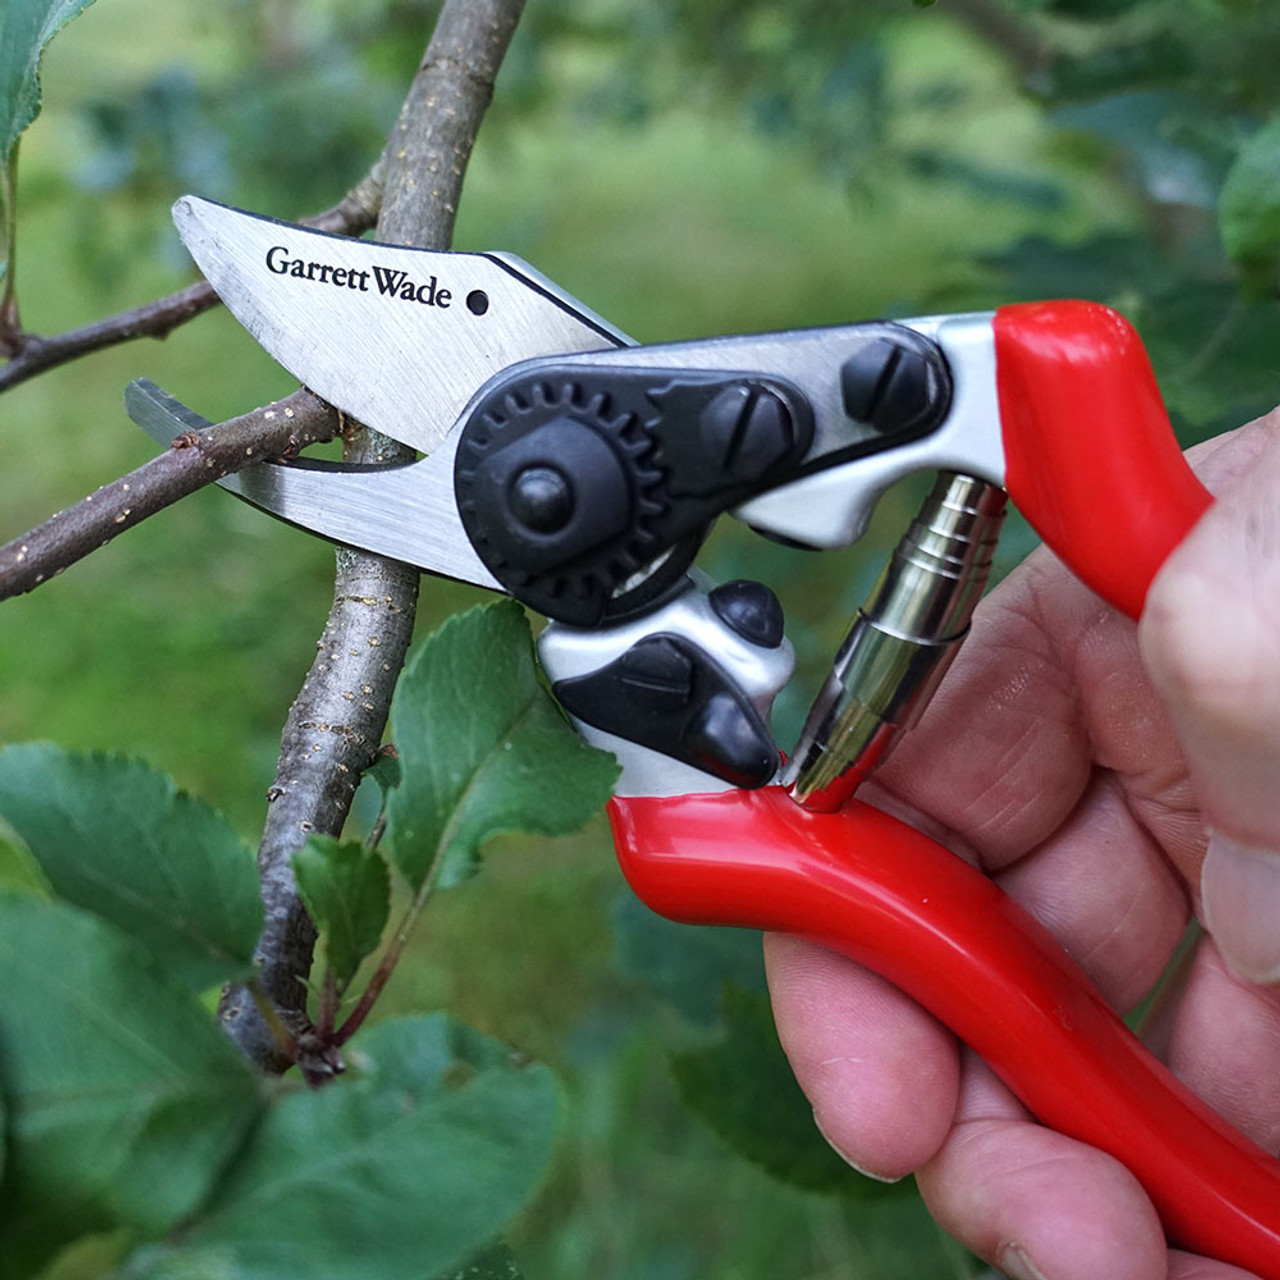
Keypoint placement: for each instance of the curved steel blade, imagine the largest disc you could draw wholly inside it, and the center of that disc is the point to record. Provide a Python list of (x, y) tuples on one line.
[(399, 338), (406, 513)]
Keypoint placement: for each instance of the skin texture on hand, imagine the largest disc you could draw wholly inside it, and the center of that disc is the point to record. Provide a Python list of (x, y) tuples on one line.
[(1087, 765)]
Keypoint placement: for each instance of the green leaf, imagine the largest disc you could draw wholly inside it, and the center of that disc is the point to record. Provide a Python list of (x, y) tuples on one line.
[(19, 872), (92, 1257), (1169, 136), (899, 1241), (1104, 268), (26, 26), (119, 839), (1158, 61), (125, 1099), (497, 1262), (483, 748), (400, 1172), (687, 965), (386, 772), (937, 164), (1249, 209), (743, 1088), (347, 892)]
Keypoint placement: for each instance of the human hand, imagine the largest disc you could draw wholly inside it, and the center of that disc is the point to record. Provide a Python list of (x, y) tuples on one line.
[(1083, 764)]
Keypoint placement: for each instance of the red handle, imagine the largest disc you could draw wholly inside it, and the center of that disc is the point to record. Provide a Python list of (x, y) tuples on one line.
[(872, 888), (1090, 457)]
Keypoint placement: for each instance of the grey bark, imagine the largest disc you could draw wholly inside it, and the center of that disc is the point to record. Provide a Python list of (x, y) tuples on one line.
[(335, 726), (192, 462), (195, 460)]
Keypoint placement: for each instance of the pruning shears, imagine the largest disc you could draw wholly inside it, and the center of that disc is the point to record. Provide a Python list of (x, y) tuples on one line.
[(579, 473)]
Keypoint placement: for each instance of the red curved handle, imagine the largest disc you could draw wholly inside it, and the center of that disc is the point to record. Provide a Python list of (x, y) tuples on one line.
[(864, 884), (1090, 457)]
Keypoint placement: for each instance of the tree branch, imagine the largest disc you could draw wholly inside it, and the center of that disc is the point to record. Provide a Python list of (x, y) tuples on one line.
[(193, 461), (335, 725), (1021, 43), (354, 214)]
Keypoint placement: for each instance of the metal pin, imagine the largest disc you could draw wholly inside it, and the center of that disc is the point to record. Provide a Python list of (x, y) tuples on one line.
[(901, 642)]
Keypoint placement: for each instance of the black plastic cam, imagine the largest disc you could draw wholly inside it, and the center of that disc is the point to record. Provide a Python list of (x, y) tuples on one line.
[(666, 694)]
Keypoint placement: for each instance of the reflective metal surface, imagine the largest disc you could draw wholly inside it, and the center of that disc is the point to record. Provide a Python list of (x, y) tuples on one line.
[(399, 338), (831, 508), (901, 643), (405, 339), (407, 513)]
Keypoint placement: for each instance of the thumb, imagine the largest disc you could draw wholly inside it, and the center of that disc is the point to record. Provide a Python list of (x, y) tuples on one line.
[(1210, 639)]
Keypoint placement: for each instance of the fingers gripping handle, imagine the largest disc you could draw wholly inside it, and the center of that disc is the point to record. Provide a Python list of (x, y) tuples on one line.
[(1091, 459), (870, 887)]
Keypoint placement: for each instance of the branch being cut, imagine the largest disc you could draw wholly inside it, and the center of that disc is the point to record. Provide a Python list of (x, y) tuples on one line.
[(353, 215), (193, 461), (336, 724)]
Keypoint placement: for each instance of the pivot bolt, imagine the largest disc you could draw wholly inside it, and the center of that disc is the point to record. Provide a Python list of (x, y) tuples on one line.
[(542, 499)]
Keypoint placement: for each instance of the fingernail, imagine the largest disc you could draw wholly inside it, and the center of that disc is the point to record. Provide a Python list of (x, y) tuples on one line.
[(1013, 1261), (844, 1155), (1240, 890)]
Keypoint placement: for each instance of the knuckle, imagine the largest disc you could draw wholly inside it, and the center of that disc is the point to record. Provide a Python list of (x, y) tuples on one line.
[(1210, 652)]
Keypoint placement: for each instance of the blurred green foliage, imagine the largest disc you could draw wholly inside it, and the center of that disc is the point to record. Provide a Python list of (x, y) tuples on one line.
[(685, 168), (129, 1115)]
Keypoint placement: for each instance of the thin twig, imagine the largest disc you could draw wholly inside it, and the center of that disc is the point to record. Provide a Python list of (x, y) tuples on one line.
[(10, 324), (335, 725), (329, 997), (1191, 372), (391, 957), (193, 461), (354, 214), (378, 829)]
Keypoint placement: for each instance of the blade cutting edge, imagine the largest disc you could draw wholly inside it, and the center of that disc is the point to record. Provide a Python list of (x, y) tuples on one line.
[(406, 513)]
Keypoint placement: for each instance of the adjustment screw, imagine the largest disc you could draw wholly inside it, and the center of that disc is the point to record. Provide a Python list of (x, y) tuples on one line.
[(747, 428), (541, 499), (886, 385)]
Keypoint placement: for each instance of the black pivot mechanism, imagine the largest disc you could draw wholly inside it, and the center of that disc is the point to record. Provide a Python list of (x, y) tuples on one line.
[(587, 495)]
